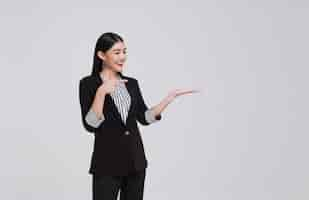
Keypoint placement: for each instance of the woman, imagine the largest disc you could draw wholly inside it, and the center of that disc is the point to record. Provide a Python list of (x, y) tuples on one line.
[(111, 104)]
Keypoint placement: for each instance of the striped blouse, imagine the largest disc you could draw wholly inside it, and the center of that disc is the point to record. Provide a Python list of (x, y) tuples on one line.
[(122, 101)]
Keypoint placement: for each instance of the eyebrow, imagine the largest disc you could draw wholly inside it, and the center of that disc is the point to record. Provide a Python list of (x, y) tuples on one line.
[(119, 49)]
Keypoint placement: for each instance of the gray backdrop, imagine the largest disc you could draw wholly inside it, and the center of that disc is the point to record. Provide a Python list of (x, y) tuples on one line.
[(243, 137)]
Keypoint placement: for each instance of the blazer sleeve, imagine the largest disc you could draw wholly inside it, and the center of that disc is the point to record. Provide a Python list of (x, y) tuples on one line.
[(142, 108), (86, 96)]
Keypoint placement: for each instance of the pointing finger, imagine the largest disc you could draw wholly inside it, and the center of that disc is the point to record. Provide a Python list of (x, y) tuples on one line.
[(123, 80)]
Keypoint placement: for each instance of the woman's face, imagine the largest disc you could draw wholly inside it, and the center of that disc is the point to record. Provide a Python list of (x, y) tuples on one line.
[(115, 57)]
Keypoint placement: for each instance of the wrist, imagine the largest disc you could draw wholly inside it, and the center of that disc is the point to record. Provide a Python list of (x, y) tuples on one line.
[(101, 93), (169, 99)]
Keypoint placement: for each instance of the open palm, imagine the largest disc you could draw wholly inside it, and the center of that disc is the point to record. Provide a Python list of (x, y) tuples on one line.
[(178, 92)]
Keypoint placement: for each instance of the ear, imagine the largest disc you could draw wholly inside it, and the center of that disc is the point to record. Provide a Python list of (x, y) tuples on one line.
[(101, 55)]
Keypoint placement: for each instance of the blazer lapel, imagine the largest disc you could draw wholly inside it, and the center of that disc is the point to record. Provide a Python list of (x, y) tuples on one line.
[(129, 87)]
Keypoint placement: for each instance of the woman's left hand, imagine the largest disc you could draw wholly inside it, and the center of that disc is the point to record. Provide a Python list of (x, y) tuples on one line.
[(178, 92), (157, 109)]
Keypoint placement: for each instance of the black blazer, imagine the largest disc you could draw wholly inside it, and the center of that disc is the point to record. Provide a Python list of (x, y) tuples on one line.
[(118, 147)]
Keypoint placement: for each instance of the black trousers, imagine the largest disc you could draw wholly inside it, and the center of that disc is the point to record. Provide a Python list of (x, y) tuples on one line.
[(107, 187)]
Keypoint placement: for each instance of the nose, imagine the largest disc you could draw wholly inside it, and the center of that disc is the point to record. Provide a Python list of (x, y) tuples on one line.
[(123, 58)]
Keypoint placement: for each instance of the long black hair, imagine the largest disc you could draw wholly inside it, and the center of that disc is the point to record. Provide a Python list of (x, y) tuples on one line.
[(104, 43)]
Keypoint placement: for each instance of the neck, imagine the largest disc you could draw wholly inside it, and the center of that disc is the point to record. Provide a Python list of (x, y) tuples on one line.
[(109, 74)]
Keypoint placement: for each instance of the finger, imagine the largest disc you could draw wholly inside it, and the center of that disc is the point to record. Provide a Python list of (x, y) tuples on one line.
[(123, 80), (194, 91), (187, 92)]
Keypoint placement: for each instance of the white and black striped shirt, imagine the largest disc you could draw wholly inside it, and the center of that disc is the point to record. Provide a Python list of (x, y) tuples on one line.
[(122, 101)]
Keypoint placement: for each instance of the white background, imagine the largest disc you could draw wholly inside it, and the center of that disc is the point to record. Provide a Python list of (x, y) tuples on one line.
[(244, 136)]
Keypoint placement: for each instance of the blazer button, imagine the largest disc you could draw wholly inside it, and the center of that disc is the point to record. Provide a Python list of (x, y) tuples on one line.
[(127, 133)]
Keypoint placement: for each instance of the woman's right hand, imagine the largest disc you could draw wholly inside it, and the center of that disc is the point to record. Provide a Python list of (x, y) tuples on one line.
[(109, 86)]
